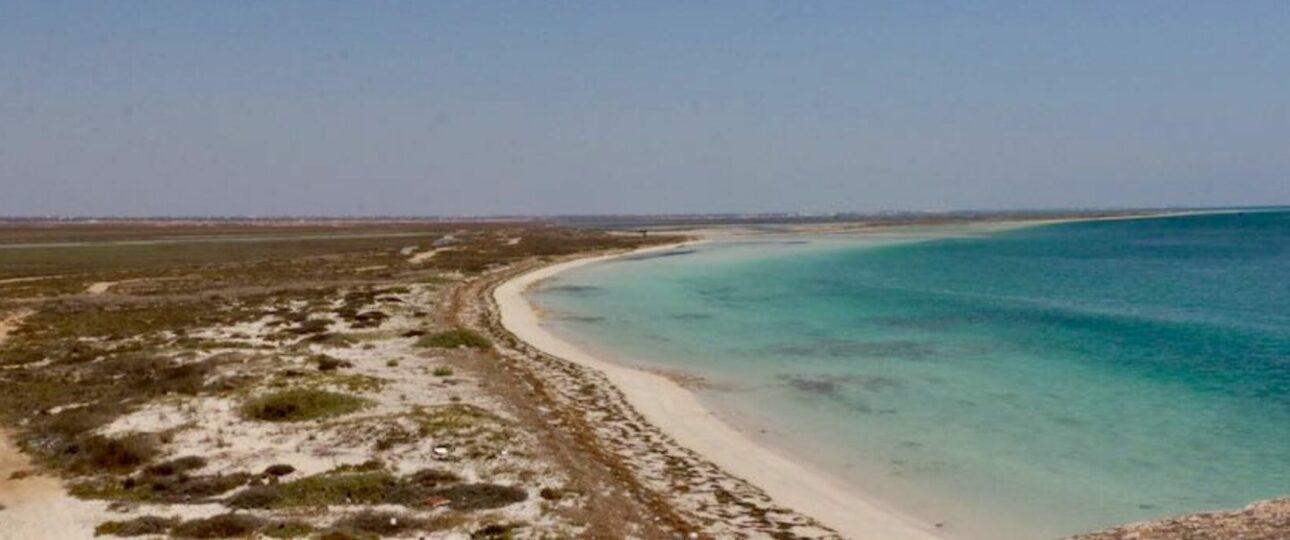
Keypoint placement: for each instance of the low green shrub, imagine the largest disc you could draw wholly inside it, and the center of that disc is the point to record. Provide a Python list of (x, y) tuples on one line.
[(184, 488), (311, 326), (481, 496), (345, 534), (176, 488), (495, 531), (287, 529), (255, 497), (301, 404), (371, 465), (432, 478), (381, 523), (328, 363), (140, 526), (453, 418), (97, 453), (377, 487), (330, 489), (176, 466), (221, 526), (330, 339)]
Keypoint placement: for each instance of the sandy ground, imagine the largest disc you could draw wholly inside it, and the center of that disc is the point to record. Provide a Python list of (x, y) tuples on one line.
[(426, 255), (37, 506), (100, 287), (10, 322), (33, 506), (679, 414)]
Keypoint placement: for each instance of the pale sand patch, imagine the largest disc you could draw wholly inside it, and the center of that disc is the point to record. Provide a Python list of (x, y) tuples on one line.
[(10, 323), (37, 506), (427, 255), (679, 414), (100, 287)]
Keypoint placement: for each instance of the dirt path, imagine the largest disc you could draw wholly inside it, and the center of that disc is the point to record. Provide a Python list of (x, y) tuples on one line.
[(31, 505)]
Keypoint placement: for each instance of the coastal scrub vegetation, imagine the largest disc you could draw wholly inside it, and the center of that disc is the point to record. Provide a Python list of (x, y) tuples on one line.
[(140, 526), (221, 526), (132, 334)]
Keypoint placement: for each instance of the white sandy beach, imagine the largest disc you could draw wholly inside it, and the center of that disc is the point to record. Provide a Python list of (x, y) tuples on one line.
[(678, 413)]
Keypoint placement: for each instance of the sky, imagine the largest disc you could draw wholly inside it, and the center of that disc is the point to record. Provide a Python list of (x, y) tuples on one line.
[(149, 108)]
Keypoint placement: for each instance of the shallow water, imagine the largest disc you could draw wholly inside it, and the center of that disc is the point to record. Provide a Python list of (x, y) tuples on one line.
[(1028, 383)]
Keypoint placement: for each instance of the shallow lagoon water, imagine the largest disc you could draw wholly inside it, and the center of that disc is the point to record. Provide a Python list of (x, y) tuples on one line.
[(1029, 383)]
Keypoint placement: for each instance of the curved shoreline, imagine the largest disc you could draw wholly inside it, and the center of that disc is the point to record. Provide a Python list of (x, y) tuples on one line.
[(678, 413)]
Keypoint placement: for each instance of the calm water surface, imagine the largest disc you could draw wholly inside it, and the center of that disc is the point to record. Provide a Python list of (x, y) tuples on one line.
[(1029, 383)]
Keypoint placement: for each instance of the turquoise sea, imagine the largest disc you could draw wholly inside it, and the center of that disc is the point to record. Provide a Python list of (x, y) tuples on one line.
[(1028, 383)]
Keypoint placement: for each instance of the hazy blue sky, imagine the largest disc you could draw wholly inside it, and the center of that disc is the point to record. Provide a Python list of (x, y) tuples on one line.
[(470, 107)]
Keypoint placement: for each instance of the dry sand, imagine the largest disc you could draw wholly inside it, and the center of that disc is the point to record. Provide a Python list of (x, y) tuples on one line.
[(99, 287), (102, 287), (679, 414), (35, 506), (427, 255), (9, 322)]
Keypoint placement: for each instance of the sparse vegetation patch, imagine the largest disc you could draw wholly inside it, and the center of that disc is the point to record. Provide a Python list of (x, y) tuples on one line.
[(176, 489), (124, 394), (97, 453), (140, 526), (373, 487), (221, 526), (287, 529), (451, 418), (301, 404), (336, 489), (482, 496), (382, 523)]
